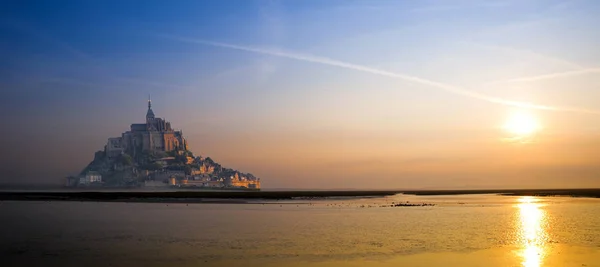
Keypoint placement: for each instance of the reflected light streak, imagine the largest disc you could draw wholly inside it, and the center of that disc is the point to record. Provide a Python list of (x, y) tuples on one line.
[(532, 233)]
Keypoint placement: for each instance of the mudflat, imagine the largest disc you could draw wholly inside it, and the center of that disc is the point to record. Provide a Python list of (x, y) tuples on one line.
[(240, 196)]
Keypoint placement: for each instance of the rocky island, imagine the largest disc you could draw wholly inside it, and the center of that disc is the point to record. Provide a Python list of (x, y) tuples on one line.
[(152, 154)]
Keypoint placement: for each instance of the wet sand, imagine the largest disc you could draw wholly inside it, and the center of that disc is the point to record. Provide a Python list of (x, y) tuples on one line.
[(489, 230), (187, 196), (554, 256), (557, 256), (241, 197), (575, 192)]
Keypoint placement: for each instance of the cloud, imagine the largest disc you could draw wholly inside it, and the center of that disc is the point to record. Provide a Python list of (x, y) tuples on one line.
[(526, 53), (273, 30), (550, 76), (92, 64), (578, 69), (405, 163), (449, 7), (331, 62), (47, 38)]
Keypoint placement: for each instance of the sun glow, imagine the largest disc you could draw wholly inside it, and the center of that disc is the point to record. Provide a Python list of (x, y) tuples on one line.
[(522, 124)]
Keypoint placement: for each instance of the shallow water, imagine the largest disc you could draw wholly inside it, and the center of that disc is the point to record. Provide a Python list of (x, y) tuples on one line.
[(472, 230)]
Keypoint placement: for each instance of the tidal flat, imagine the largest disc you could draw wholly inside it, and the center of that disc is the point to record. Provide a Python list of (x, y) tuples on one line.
[(209, 196), (460, 230)]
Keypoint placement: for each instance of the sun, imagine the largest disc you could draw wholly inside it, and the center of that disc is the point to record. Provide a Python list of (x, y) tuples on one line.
[(522, 124)]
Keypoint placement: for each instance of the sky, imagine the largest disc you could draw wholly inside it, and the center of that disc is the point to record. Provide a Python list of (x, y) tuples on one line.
[(312, 94)]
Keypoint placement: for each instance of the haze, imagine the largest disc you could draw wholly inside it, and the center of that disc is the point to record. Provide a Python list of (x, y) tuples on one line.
[(312, 94)]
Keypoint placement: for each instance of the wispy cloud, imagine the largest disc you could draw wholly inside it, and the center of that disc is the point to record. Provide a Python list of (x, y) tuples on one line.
[(578, 69), (405, 77), (526, 53), (549, 15), (145, 82), (436, 7), (273, 30), (45, 37), (92, 63), (549, 76)]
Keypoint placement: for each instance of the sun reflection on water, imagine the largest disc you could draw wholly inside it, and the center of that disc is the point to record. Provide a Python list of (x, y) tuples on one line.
[(532, 232)]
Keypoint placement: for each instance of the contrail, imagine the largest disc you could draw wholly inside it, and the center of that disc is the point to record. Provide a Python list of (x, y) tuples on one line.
[(522, 52), (341, 64), (552, 75), (578, 69)]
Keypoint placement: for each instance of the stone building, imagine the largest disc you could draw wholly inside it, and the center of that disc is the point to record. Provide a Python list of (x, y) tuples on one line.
[(154, 135)]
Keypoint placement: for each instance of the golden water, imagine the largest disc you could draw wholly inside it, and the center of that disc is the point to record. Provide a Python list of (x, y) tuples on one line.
[(478, 230)]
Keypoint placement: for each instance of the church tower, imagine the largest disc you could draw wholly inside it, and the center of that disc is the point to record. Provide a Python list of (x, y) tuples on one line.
[(150, 125), (150, 119), (150, 113)]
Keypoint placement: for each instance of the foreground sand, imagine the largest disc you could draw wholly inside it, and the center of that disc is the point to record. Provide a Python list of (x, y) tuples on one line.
[(203, 196), (550, 256)]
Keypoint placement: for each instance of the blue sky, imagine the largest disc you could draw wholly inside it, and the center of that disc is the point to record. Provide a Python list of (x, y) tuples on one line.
[(76, 72)]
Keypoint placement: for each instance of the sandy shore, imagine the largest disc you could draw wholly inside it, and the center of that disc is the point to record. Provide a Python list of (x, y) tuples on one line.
[(552, 256), (577, 192), (186, 196), (245, 196)]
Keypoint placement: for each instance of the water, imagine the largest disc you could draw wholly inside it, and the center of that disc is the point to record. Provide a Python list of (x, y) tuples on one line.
[(476, 230)]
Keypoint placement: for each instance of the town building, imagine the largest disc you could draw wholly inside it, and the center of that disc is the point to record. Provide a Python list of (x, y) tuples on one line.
[(90, 177), (71, 181), (236, 181)]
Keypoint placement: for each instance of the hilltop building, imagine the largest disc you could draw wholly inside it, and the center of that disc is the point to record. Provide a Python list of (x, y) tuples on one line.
[(154, 135)]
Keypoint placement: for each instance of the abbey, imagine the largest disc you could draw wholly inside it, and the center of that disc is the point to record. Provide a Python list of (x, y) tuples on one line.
[(153, 154), (156, 135)]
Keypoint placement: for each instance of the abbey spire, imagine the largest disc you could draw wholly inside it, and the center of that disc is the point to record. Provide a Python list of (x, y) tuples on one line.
[(150, 113)]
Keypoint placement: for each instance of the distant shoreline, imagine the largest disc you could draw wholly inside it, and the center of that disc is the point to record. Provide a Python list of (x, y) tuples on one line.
[(186, 196), (574, 192), (240, 197)]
